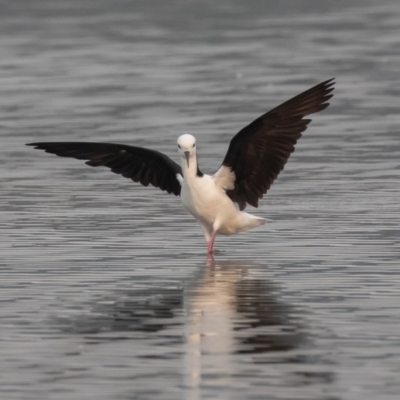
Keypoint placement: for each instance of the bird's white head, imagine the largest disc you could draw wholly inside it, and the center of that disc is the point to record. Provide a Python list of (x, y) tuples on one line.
[(187, 147)]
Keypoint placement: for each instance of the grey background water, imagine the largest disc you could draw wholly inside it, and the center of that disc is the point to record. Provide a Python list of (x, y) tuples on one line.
[(105, 288)]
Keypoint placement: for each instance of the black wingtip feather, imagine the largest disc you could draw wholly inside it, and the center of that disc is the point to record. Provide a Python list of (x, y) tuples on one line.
[(273, 135), (141, 165)]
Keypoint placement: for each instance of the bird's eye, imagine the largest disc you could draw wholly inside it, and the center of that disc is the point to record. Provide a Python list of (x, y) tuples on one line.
[(179, 146), (194, 145)]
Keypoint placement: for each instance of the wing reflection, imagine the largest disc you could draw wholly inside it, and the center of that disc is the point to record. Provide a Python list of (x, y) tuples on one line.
[(148, 310)]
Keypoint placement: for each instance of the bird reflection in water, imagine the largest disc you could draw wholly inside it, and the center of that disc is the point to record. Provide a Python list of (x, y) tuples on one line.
[(225, 295), (230, 312), (224, 308), (222, 315)]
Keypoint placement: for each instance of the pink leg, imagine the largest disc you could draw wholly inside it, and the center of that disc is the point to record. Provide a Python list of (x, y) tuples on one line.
[(210, 244)]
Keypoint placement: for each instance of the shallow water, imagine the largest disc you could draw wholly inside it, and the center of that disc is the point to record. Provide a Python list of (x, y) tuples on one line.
[(105, 288)]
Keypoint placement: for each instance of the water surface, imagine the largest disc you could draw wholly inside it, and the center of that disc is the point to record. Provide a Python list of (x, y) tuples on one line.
[(106, 292)]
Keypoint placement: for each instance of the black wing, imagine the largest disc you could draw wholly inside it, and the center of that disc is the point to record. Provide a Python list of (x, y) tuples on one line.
[(137, 163), (259, 151)]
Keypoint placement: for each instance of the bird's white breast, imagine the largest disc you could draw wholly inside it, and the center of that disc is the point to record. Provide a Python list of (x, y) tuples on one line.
[(202, 198), (210, 205)]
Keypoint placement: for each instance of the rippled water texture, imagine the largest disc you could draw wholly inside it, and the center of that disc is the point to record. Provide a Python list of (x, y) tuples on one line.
[(105, 288)]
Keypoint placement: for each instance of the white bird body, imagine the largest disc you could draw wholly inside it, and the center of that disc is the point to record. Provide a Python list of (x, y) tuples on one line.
[(213, 209), (203, 196), (255, 157)]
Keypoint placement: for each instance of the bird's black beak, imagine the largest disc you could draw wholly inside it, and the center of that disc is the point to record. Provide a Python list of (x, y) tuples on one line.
[(187, 155)]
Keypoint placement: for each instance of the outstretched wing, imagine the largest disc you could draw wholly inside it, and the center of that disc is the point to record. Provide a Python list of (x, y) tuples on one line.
[(137, 163), (258, 153)]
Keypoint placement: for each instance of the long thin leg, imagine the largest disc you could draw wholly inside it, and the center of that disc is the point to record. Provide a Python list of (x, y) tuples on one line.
[(210, 244)]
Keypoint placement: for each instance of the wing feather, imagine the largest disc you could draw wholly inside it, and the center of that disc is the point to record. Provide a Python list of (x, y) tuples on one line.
[(137, 163), (259, 152)]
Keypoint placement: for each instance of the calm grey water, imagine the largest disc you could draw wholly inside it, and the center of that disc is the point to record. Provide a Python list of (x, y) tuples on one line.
[(105, 288)]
